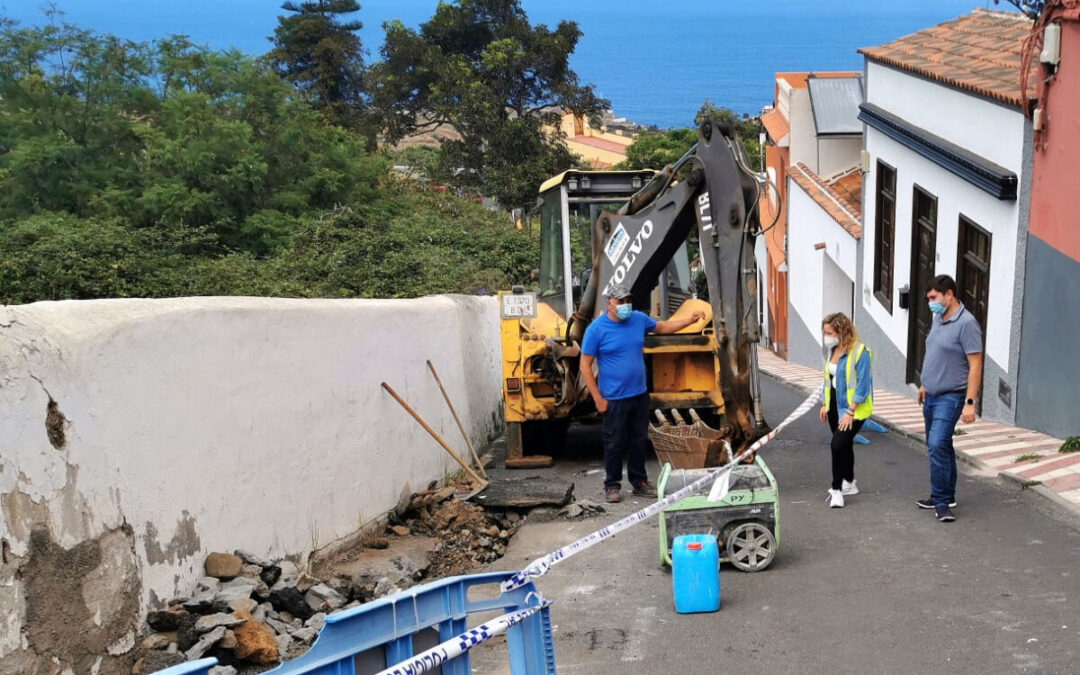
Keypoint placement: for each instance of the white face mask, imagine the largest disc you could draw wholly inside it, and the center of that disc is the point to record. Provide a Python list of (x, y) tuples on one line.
[(831, 342)]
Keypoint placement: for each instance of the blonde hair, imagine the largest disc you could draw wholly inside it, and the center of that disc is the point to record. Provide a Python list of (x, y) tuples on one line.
[(845, 330)]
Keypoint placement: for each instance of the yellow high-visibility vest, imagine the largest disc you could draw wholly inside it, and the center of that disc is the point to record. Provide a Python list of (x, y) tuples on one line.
[(864, 409)]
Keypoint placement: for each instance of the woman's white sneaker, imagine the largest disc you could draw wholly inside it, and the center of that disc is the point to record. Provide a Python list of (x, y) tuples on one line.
[(849, 488), (835, 499)]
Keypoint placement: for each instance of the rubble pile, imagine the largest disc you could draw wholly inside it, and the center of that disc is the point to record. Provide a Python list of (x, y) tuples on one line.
[(245, 611), (252, 613), (580, 509), (469, 536)]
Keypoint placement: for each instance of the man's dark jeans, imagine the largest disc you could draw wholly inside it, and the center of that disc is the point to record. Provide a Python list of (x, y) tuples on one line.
[(626, 429), (940, 415)]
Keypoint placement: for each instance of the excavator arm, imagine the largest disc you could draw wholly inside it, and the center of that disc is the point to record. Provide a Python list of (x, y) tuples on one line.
[(716, 194)]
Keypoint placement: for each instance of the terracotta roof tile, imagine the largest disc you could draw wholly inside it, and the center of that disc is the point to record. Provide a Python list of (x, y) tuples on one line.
[(602, 144), (847, 187), (776, 125), (840, 196), (978, 52)]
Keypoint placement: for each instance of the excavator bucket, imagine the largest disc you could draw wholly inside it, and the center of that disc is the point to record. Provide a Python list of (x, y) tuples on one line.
[(688, 446)]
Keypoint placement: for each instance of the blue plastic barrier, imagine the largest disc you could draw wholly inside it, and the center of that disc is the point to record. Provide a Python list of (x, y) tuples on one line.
[(871, 425), (382, 633)]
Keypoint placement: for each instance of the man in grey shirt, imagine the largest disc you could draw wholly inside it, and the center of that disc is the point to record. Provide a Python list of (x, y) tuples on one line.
[(951, 374)]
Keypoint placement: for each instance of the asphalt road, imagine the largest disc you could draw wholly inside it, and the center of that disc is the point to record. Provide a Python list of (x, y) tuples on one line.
[(877, 587)]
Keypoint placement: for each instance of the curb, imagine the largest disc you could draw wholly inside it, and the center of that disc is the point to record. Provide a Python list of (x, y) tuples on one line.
[(967, 459), (1040, 489)]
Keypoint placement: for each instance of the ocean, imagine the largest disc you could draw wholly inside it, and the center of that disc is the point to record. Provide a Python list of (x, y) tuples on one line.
[(656, 62)]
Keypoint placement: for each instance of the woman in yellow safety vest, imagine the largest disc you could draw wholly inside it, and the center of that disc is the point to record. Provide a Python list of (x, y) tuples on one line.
[(848, 387)]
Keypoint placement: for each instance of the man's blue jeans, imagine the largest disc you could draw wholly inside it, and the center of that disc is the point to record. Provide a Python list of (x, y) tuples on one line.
[(626, 435), (941, 413)]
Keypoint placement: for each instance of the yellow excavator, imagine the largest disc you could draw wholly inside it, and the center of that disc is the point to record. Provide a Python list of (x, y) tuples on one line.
[(680, 240)]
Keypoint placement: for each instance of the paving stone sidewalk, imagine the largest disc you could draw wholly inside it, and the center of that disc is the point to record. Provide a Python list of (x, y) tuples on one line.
[(989, 445)]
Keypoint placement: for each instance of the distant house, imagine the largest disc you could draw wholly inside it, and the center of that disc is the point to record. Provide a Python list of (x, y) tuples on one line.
[(947, 152), (795, 138), (599, 148)]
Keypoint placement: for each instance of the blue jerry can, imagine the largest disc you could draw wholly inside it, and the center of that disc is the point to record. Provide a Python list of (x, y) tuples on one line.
[(695, 573)]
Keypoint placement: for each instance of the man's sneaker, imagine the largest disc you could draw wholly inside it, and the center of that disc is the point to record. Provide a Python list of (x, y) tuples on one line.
[(929, 504), (612, 495), (944, 514), (849, 488), (645, 489), (835, 499)]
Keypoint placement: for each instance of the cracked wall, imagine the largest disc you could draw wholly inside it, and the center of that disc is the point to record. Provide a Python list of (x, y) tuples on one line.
[(138, 435)]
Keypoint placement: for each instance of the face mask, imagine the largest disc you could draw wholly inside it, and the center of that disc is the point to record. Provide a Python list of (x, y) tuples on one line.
[(831, 342), (624, 311), (937, 308)]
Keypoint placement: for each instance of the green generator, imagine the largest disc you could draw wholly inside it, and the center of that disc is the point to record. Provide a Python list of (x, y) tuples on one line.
[(746, 523)]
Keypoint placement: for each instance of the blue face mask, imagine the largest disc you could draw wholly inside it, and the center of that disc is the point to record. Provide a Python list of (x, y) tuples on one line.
[(624, 311), (937, 308)]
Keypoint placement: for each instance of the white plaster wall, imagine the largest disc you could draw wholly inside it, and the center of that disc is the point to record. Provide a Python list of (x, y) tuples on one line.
[(955, 197), (259, 420), (838, 289), (991, 130), (803, 134), (761, 256), (783, 98), (837, 154), (809, 224)]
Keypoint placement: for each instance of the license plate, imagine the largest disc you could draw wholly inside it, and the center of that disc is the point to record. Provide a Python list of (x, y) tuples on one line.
[(518, 305)]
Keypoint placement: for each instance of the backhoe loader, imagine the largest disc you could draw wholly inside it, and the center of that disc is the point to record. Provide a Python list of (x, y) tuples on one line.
[(680, 240)]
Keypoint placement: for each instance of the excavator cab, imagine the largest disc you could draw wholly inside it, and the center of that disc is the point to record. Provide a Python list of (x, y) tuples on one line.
[(570, 203)]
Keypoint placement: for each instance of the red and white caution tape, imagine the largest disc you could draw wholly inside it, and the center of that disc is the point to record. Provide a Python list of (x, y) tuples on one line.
[(541, 566), (715, 494), (454, 647)]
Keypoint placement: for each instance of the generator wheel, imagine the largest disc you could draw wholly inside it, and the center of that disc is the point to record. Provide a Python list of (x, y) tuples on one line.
[(751, 546)]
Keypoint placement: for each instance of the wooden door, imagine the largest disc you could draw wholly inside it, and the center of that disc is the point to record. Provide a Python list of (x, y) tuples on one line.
[(973, 275), (973, 269), (923, 251)]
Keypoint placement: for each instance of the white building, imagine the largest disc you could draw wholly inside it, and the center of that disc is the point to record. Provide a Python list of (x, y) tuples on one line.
[(824, 229), (812, 122), (824, 210), (947, 150)]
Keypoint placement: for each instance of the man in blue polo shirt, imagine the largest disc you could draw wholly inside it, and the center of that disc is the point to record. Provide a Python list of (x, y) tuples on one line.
[(951, 376), (615, 341)]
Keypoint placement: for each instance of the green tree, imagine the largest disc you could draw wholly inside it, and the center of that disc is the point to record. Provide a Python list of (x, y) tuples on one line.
[(656, 149), (422, 160), (69, 100), (502, 83), (318, 51), (166, 135), (165, 169), (412, 242)]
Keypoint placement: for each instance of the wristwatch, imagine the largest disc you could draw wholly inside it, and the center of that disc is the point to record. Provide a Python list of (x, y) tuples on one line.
[(969, 401)]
